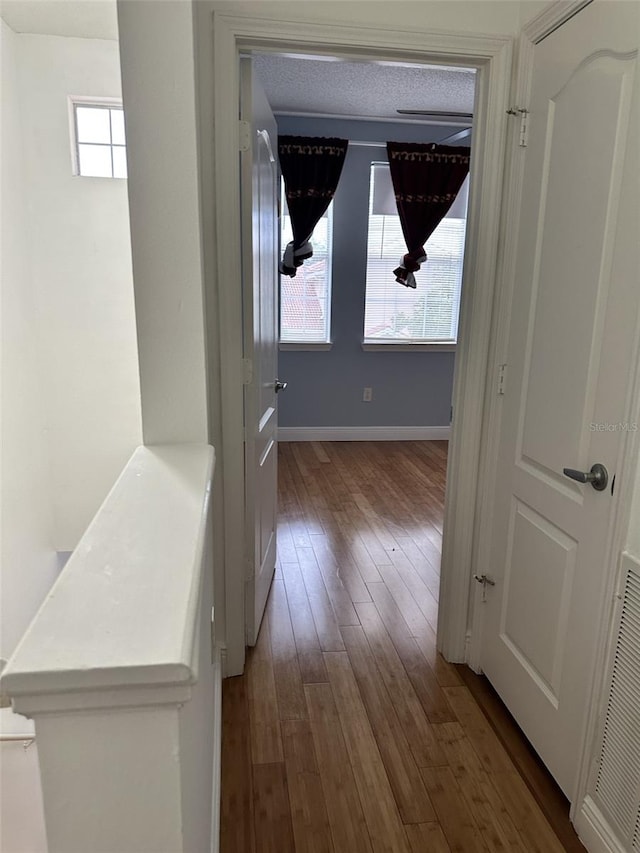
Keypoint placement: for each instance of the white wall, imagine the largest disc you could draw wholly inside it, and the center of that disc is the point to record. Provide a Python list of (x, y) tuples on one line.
[(158, 76), (467, 16), (80, 253), (29, 563)]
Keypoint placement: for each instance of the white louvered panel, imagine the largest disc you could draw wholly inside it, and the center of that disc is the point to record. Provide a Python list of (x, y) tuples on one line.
[(618, 779)]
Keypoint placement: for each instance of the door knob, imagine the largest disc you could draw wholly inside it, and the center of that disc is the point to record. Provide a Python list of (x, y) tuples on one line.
[(280, 386), (598, 476)]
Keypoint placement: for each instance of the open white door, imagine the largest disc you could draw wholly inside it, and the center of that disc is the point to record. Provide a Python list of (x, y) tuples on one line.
[(260, 307), (570, 366)]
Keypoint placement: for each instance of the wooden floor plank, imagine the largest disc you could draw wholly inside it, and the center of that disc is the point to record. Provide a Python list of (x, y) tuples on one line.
[(408, 789), (342, 580), (349, 733), (236, 808), (488, 810), (461, 832), (554, 805), (324, 616), (422, 741), (378, 804), (284, 655), (266, 742), (311, 830), (334, 555), (344, 810), (427, 838), (492, 754), (274, 832), (310, 660), (534, 829)]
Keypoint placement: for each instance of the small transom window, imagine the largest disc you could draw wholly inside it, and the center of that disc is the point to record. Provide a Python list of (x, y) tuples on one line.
[(100, 150)]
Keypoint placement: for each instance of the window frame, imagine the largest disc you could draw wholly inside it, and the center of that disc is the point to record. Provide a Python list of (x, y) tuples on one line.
[(107, 103), (404, 344)]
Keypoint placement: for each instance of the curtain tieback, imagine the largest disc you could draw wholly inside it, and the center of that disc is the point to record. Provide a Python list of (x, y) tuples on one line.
[(294, 258), (409, 264)]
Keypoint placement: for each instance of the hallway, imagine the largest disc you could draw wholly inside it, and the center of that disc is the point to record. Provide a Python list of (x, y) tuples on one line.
[(348, 732)]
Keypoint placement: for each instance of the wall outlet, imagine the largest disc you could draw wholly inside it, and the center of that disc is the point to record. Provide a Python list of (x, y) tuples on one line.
[(367, 395)]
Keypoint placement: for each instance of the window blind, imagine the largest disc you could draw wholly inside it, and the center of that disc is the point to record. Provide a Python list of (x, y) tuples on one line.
[(305, 299), (429, 313)]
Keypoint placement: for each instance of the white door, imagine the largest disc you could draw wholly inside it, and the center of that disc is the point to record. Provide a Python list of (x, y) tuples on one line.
[(260, 308), (569, 368)]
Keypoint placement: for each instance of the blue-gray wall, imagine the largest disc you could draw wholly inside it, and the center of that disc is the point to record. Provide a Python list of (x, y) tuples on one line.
[(325, 387)]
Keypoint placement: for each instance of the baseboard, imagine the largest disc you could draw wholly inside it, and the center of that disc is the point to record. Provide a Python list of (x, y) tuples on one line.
[(595, 831), (365, 433)]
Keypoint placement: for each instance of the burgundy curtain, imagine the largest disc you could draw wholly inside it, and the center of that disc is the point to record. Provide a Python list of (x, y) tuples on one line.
[(311, 169), (426, 180)]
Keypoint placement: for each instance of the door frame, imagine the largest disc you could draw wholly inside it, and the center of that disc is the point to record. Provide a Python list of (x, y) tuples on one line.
[(491, 56), (549, 20)]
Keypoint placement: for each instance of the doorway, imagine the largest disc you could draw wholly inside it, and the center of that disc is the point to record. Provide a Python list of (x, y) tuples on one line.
[(491, 58), (395, 381)]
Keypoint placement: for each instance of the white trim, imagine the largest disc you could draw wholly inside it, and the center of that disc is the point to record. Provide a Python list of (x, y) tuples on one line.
[(396, 346), (216, 788), (381, 119), (492, 57), (365, 433), (512, 201), (309, 346), (594, 830), (551, 17)]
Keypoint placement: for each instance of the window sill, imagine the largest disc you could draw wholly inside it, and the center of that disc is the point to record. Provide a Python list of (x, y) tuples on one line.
[(304, 347), (397, 346)]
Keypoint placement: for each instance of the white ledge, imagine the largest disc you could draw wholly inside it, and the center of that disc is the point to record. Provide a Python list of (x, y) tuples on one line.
[(310, 346), (122, 616), (397, 346)]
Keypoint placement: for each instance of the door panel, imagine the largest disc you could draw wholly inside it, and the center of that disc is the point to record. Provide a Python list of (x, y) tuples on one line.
[(260, 242), (570, 361)]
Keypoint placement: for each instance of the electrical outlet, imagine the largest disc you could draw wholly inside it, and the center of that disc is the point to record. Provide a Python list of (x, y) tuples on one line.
[(367, 395)]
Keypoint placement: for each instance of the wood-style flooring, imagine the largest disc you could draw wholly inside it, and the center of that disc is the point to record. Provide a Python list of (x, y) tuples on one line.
[(348, 731)]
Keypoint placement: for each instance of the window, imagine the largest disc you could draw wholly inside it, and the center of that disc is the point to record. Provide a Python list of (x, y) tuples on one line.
[(393, 313), (305, 300), (99, 141)]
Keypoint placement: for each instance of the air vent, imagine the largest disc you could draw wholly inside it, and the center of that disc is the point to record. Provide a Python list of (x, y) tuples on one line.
[(618, 780)]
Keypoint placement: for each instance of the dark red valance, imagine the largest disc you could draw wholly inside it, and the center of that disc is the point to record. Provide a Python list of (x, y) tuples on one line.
[(311, 168), (426, 180)]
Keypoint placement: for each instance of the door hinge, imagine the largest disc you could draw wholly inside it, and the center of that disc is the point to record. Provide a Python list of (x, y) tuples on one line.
[(247, 371), (244, 135), (523, 139), (502, 379)]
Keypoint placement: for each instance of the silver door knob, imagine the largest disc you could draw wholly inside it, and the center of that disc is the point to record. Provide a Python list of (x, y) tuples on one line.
[(598, 476), (280, 386)]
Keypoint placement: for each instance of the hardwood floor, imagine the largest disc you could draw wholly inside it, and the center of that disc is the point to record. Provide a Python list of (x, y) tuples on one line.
[(348, 731)]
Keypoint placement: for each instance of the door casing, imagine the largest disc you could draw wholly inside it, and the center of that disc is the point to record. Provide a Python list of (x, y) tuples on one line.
[(233, 34)]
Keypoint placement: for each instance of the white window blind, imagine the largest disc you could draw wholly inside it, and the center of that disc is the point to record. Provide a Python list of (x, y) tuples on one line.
[(394, 313), (305, 300)]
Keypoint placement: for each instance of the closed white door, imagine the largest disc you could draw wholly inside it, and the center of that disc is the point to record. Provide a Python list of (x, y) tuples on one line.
[(571, 357), (260, 308)]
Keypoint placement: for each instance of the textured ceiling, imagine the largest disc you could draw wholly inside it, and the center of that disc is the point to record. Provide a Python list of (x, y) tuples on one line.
[(362, 88)]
